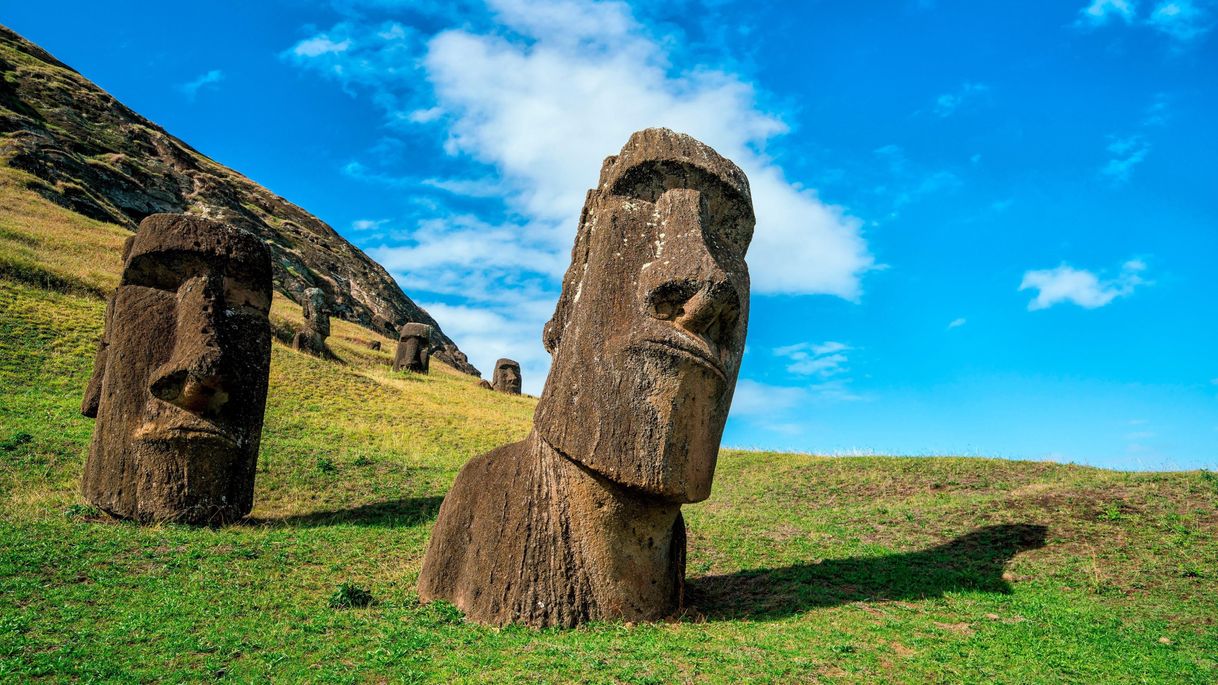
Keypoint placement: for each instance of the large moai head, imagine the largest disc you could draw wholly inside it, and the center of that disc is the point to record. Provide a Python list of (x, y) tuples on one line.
[(317, 311), (506, 377), (414, 348), (180, 381), (650, 326)]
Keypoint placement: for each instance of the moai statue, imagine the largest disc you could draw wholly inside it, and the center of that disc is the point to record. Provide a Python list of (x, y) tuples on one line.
[(312, 338), (374, 345), (180, 379), (414, 348), (581, 521), (506, 377), (485, 385)]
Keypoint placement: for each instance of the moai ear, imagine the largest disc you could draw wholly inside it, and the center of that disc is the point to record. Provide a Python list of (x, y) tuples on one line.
[(89, 404), (551, 335)]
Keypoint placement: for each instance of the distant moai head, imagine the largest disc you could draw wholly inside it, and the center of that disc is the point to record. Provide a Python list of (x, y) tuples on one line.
[(414, 348), (316, 308), (485, 385), (506, 377), (650, 325), (180, 381)]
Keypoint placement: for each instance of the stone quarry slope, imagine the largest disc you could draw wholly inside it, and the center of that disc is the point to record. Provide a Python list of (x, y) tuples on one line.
[(88, 152)]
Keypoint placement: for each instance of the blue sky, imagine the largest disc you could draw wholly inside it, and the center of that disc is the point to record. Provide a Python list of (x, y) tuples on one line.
[(983, 228)]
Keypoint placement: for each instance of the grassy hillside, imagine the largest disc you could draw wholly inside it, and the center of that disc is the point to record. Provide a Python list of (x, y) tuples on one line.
[(802, 568)]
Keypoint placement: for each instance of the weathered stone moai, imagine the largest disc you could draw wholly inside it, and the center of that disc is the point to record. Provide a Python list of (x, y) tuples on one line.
[(485, 385), (414, 348), (312, 338), (581, 521), (180, 378), (374, 345), (506, 377)]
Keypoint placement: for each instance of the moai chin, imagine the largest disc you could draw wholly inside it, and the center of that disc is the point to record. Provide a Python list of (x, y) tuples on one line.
[(581, 521), (506, 377), (180, 379), (414, 348), (312, 337)]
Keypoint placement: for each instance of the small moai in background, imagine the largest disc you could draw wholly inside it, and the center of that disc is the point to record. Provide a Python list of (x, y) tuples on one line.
[(180, 377), (312, 338), (506, 377), (485, 384), (414, 348), (374, 345)]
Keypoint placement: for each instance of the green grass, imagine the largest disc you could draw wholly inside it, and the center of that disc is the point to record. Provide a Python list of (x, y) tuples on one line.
[(801, 568)]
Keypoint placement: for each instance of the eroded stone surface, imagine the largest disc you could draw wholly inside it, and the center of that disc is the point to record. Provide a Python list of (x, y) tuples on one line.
[(312, 337), (180, 379), (414, 348), (506, 377), (581, 521)]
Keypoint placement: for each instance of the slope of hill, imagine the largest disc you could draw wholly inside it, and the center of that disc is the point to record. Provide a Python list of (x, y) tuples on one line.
[(801, 568), (87, 152)]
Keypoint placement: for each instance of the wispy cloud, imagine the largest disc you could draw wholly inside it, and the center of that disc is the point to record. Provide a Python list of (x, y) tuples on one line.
[(948, 103), (367, 224), (1081, 287), (957, 323), (320, 45), (815, 359), (909, 182), (1101, 12), (1182, 21), (191, 89), (1124, 155)]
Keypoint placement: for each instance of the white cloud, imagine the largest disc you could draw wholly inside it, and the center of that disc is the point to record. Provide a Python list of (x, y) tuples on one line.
[(191, 89), (320, 45), (1082, 287), (1127, 153), (808, 359), (957, 323), (753, 399), (1182, 20), (530, 100), (948, 103), (559, 85), (1100, 12), (367, 224)]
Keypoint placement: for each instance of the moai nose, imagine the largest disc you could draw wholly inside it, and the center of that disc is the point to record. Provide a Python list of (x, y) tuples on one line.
[(698, 295), (193, 377)]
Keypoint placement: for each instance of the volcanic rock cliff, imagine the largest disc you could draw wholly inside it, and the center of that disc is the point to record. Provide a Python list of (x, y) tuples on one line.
[(99, 158)]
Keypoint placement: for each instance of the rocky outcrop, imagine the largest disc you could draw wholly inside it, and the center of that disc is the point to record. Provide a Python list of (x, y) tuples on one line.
[(97, 157)]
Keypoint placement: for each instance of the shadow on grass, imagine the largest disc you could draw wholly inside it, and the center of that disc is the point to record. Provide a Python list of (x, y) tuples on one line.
[(972, 562), (398, 513)]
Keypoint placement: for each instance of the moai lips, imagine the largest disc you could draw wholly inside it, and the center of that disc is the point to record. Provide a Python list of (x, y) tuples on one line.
[(506, 377), (414, 348), (581, 521), (180, 379)]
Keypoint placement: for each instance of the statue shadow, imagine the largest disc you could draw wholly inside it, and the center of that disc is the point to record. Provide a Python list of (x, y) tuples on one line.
[(398, 513), (972, 562)]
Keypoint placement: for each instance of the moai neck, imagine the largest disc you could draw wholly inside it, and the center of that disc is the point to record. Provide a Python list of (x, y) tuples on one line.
[(630, 545)]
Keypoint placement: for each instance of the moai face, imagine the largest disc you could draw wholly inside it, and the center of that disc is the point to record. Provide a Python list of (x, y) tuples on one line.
[(506, 377), (650, 327), (414, 348), (317, 311), (180, 382)]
